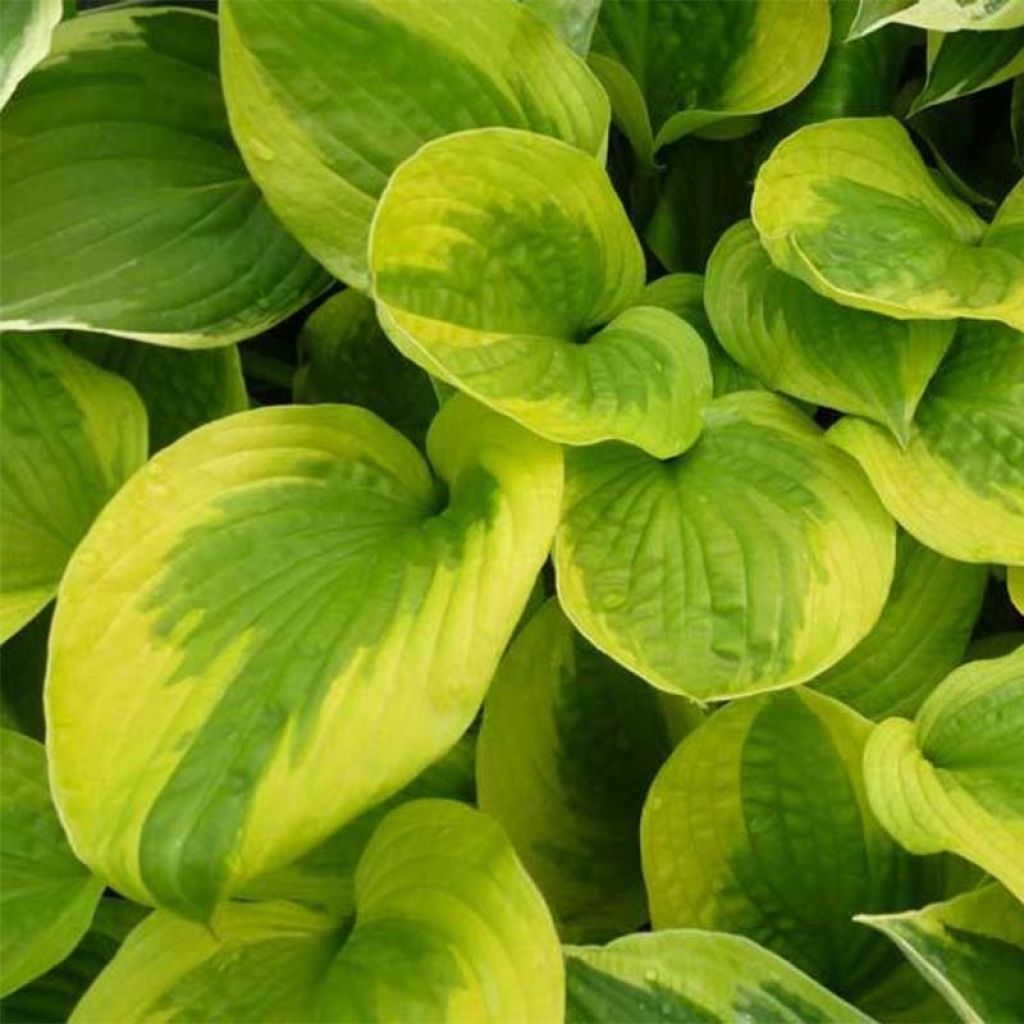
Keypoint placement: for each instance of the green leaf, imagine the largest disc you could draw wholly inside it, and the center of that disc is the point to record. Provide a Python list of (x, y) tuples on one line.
[(858, 78), (958, 485), (504, 264), (691, 975), (569, 744), (127, 206), (22, 671), (53, 996), (322, 135), (952, 779), (47, 898), (753, 562), (849, 207), (449, 928), (705, 187), (939, 15), (70, 434), (324, 878), (683, 294), (573, 20), (759, 825), (962, 63), (24, 39), (293, 617), (696, 64), (971, 948), (808, 346), (1015, 586), (181, 390), (351, 360), (920, 638)]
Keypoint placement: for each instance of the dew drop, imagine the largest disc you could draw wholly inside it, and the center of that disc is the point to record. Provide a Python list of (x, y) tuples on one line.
[(261, 150), (650, 974), (657, 803)]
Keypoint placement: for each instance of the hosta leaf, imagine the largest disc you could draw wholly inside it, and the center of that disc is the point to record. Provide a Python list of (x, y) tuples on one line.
[(953, 779), (47, 898), (328, 97), (504, 264), (324, 878), (753, 562), (24, 39), (449, 927), (958, 485), (1015, 586), (961, 63), (758, 824), (971, 948), (691, 975), (696, 64), (127, 208), (70, 434), (53, 995), (811, 347), (351, 360), (849, 207), (939, 15), (919, 639), (22, 670), (181, 390), (705, 186), (683, 294), (858, 78), (569, 744), (305, 611)]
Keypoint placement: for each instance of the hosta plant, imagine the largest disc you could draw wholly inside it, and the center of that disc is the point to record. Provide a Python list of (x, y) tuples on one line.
[(512, 511)]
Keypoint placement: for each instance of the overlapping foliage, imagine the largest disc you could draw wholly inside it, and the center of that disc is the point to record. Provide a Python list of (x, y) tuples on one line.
[(512, 511)]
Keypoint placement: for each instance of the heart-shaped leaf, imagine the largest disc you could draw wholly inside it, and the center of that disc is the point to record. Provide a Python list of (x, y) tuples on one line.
[(849, 207), (27, 29), (160, 234), (47, 898), (70, 434), (691, 975), (920, 638), (292, 618), (504, 263), (759, 824), (752, 562), (958, 484), (952, 778), (811, 347), (448, 928), (970, 948), (569, 745), (328, 97), (694, 64)]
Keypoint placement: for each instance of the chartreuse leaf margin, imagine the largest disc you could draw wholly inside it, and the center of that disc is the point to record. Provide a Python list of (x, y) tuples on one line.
[(304, 606), (672, 69), (47, 898), (687, 974), (160, 235), (958, 483), (849, 207), (447, 927), (951, 779), (569, 744), (752, 562), (503, 263), (70, 435), (321, 135), (970, 948), (759, 825)]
